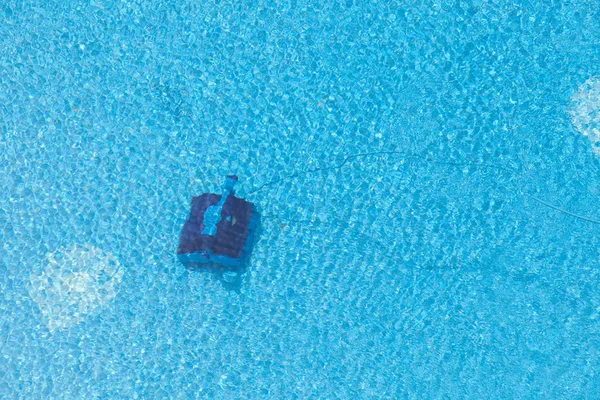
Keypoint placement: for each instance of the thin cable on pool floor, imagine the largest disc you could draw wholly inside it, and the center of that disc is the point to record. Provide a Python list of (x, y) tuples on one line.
[(379, 153)]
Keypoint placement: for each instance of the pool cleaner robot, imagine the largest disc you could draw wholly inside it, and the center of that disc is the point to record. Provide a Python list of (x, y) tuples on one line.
[(220, 232)]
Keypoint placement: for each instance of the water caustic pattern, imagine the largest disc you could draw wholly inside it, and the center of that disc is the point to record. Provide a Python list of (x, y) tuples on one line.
[(75, 282), (586, 111), (425, 270)]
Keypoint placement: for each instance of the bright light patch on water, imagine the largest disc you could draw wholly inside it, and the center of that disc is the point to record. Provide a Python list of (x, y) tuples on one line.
[(586, 111), (75, 282)]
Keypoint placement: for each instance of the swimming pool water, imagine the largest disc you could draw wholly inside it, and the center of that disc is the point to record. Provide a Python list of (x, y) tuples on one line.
[(427, 270)]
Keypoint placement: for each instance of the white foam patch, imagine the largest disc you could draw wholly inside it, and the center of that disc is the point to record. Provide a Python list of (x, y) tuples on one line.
[(586, 111), (75, 282)]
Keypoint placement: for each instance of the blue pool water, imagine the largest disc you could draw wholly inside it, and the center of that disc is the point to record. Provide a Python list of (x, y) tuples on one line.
[(432, 272)]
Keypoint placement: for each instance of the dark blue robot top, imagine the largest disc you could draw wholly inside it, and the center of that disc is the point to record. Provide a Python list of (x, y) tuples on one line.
[(219, 232)]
